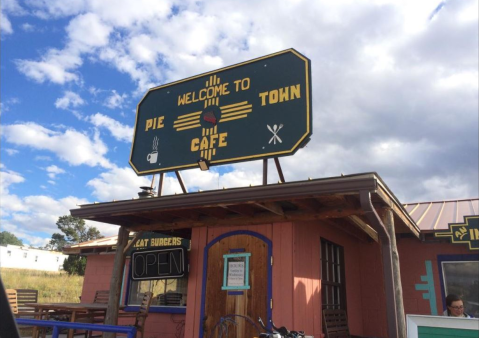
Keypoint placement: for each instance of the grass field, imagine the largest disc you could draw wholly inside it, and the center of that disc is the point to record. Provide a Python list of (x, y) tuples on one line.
[(52, 286)]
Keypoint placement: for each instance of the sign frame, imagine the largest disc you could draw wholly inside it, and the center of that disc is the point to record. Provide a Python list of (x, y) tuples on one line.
[(181, 272), (466, 232), (144, 162)]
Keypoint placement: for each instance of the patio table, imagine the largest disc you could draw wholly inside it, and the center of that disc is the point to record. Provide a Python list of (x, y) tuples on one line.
[(73, 309)]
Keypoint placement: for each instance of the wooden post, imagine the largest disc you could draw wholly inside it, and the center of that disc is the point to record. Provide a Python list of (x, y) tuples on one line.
[(160, 184), (180, 180), (280, 171), (265, 171), (388, 221), (111, 317)]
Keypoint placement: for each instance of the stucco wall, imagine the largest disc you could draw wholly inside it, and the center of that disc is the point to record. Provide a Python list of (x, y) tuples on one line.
[(98, 276), (296, 282), (296, 277), (413, 257)]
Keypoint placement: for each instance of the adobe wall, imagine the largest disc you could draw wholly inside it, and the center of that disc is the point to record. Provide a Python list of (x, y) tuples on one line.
[(98, 276), (414, 258), (364, 280), (296, 280)]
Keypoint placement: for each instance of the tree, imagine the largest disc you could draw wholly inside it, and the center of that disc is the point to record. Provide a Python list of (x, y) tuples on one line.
[(9, 238), (74, 231)]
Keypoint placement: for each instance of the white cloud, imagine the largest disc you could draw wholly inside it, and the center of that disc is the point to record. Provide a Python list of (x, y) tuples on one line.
[(28, 27), (55, 66), (118, 183), (6, 104), (40, 214), (32, 218), (69, 99), (72, 146), (119, 131), (8, 178), (115, 100), (11, 152), (42, 158), (393, 91), (5, 24), (53, 171), (86, 31)]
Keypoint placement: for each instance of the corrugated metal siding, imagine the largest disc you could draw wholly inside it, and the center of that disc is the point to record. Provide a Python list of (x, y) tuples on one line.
[(430, 216)]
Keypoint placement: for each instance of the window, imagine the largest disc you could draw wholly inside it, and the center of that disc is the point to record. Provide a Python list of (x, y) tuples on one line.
[(169, 295), (58, 259), (460, 275), (9, 253), (333, 285), (36, 258), (166, 292), (24, 255)]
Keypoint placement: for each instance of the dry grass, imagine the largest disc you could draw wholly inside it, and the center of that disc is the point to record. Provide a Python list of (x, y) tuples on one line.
[(52, 286)]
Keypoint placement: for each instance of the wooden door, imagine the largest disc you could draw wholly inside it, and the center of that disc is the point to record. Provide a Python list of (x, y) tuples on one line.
[(237, 304)]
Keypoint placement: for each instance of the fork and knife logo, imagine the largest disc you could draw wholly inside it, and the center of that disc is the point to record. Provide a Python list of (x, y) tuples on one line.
[(275, 130)]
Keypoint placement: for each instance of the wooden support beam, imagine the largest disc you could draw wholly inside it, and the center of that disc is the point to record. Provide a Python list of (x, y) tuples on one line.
[(364, 226), (242, 209), (258, 218), (348, 228), (133, 241), (111, 317), (160, 184), (308, 203), (275, 208), (265, 171), (280, 171), (180, 180), (185, 214), (398, 211), (215, 212), (387, 217)]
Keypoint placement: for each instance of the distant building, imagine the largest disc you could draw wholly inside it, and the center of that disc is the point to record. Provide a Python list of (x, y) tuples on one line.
[(21, 257)]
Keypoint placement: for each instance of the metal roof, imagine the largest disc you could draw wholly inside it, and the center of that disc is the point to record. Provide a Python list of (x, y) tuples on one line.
[(432, 216)]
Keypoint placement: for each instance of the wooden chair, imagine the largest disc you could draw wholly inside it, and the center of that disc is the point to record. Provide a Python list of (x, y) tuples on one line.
[(335, 324), (12, 299), (102, 296), (20, 310), (25, 296), (170, 299), (141, 315), (95, 317)]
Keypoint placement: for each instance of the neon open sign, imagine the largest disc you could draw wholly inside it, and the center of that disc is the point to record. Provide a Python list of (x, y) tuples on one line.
[(253, 110), (159, 264)]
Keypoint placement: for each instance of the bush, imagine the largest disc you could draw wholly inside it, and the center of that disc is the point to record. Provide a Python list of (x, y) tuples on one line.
[(75, 265)]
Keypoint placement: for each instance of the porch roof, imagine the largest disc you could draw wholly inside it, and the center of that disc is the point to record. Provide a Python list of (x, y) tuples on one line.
[(334, 200)]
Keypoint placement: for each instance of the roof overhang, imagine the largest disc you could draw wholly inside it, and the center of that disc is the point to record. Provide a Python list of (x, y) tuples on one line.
[(334, 199)]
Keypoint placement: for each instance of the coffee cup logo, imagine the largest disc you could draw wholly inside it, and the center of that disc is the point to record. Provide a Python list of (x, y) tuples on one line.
[(152, 157)]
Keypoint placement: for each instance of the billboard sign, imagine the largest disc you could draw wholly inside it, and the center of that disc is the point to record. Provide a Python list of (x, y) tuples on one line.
[(253, 110)]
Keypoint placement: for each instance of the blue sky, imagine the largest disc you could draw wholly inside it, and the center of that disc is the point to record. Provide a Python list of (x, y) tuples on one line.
[(395, 88)]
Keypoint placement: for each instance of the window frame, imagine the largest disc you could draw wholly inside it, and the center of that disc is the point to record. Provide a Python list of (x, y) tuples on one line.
[(451, 258), (341, 275), (153, 308)]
